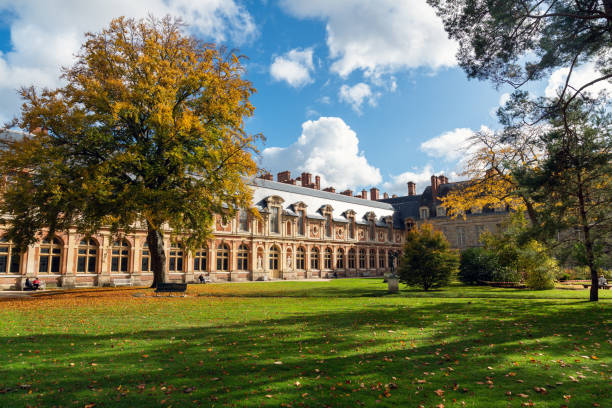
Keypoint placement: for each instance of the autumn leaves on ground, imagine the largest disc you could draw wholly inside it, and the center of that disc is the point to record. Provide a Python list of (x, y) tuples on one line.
[(343, 343)]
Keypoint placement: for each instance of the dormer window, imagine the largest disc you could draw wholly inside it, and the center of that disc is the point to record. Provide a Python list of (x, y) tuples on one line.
[(328, 225), (301, 221), (440, 211), (372, 230), (275, 220), (243, 221), (424, 213)]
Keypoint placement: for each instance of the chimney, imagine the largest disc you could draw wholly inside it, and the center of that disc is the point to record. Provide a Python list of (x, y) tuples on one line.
[(374, 194), (364, 194), (394, 196), (347, 193), (306, 179), (434, 187), (284, 176), (318, 183), (385, 196), (330, 189), (267, 176), (411, 188), (445, 180)]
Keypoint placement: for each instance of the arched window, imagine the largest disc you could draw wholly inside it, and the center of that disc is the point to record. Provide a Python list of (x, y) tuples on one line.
[(243, 258), (300, 256), (340, 259), (314, 258), (145, 259), (88, 256), (10, 259), (381, 258), (175, 260), (50, 256), (120, 253), (362, 259), (200, 260), (328, 258), (372, 258), (274, 257), (223, 257), (351, 258)]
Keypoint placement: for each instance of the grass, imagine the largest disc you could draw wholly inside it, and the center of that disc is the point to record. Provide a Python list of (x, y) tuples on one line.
[(343, 343)]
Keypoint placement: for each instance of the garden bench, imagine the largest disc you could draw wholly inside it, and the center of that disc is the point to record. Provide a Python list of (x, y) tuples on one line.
[(588, 285), (171, 288), (122, 282)]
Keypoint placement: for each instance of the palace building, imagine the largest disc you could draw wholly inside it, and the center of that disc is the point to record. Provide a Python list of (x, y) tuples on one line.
[(305, 232)]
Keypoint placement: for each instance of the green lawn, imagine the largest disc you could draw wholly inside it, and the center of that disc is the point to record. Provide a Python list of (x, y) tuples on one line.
[(344, 343)]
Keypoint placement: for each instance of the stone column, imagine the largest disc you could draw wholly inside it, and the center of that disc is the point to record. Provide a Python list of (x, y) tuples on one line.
[(104, 253), (68, 279)]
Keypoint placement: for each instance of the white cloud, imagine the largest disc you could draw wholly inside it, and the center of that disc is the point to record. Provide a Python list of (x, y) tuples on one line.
[(294, 67), (580, 76), (398, 183), (379, 36), (45, 35), (454, 145), (327, 147), (356, 95)]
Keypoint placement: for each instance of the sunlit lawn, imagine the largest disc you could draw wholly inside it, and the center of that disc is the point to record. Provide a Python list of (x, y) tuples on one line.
[(342, 343)]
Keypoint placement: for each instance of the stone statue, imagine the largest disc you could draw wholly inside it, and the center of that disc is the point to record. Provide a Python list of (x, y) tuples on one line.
[(289, 261), (259, 262)]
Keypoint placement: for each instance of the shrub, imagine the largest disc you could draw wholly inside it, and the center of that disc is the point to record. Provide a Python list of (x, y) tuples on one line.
[(538, 267), (427, 260), (477, 264)]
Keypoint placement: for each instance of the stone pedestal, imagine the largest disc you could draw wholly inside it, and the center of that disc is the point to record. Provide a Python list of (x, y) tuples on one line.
[(393, 284)]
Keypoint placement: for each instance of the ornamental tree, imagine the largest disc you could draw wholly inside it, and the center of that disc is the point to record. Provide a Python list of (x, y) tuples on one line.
[(427, 259), (148, 131)]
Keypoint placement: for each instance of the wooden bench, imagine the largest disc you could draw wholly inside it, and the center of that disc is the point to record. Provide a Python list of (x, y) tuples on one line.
[(588, 285), (122, 282), (171, 288)]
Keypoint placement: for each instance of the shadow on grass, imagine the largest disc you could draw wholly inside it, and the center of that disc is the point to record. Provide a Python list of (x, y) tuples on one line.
[(402, 354)]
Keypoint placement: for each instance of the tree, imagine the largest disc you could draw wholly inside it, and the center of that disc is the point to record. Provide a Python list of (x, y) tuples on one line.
[(477, 264), (148, 131), (427, 259)]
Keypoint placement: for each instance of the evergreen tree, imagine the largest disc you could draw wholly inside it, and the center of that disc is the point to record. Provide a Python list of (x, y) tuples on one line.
[(427, 260)]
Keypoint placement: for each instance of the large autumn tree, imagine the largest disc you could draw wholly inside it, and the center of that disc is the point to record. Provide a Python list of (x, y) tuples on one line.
[(148, 131)]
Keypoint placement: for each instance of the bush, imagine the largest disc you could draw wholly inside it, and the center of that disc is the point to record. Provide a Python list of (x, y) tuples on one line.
[(477, 264), (427, 260), (538, 267)]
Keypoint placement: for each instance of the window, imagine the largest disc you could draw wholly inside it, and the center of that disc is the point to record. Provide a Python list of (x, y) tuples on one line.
[(479, 230), (87, 256), (288, 227), (299, 258), (274, 219), (243, 258), (328, 258), (328, 225), (10, 259), (362, 259), (301, 219), (175, 260), (440, 211), (222, 258), (243, 220), (372, 258), (390, 234), (460, 236), (351, 258), (381, 259), (145, 260), (274, 257), (50, 256), (424, 213), (200, 260), (372, 231), (119, 256), (314, 258), (352, 228), (340, 259)]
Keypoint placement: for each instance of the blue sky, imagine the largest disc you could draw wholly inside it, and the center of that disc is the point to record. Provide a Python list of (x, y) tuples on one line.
[(363, 92)]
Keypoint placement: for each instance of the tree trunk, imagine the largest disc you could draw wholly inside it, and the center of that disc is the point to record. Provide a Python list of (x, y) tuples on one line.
[(155, 240), (588, 243)]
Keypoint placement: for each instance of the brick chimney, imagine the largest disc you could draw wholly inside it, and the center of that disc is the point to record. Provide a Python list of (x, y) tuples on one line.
[(284, 176), (435, 183), (394, 196), (385, 196), (364, 194), (330, 189), (411, 188), (306, 179), (267, 176), (374, 194), (318, 182), (347, 193)]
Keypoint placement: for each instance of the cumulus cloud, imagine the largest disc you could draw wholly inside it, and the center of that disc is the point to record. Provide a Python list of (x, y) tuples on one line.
[(293, 67), (398, 183), (45, 35), (580, 76), (327, 147), (451, 146), (356, 95), (379, 36)]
